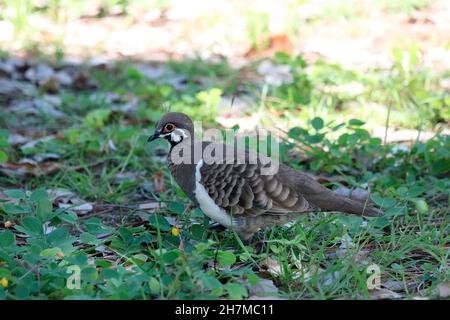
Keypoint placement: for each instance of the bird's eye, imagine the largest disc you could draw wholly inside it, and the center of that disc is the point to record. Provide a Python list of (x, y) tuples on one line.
[(168, 127)]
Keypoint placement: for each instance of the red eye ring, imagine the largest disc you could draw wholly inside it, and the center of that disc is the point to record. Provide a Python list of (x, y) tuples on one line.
[(168, 127)]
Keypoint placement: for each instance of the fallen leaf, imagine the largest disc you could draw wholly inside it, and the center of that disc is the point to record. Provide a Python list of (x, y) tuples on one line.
[(274, 74), (263, 288), (36, 107), (82, 81), (63, 78), (272, 266), (15, 139), (57, 194), (126, 176), (158, 183), (47, 107), (23, 170), (393, 285), (12, 88), (150, 206), (6, 69), (150, 71), (39, 73), (81, 208), (33, 143), (382, 294), (41, 157), (443, 290)]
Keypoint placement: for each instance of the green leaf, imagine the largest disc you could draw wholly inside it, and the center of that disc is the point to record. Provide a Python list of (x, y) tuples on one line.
[(3, 156), (44, 205), (356, 122), (210, 282), (103, 263), (415, 191), (395, 211), (69, 217), (58, 235), (379, 222), (97, 118), (88, 238), (176, 207), (50, 252), (15, 193), (297, 132), (153, 283), (253, 279), (7, 239), (314, 138), (236, 291), (226, 258), (126, 235), (317, 123), (32, 225), (440, 166), (402, 192), (421, 205), (156, 220), (13, 209), (386, 202), (170, 256), (39, 195)]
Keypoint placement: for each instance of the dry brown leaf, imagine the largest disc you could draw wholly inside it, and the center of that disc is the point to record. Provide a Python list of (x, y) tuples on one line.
[(443, 290), (82, 81), (11, 88), (78, 206), (393, 285), (33, 143), (381, 294), (150, 206), (264, 288), (15, 139), (39, 73), (309, 271), (22, 170), (158, 182), (272, 266), (60, 194)]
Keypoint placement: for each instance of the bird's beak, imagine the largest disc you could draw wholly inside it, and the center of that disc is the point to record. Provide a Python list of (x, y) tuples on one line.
[(154, 136)]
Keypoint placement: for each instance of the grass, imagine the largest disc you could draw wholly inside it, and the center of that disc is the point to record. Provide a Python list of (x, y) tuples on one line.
[(124, 252)]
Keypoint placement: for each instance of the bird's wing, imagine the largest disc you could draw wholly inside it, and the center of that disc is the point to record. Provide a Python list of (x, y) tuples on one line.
[(241, 189)]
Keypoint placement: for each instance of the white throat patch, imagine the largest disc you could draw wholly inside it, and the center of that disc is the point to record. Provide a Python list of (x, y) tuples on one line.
[(207, 204), (177, 134)]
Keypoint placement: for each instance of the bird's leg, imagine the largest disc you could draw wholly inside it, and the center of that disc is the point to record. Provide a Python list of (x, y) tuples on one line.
[(246, 237)]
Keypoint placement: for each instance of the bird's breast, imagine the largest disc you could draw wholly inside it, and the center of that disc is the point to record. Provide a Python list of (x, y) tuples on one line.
[(207, 204)]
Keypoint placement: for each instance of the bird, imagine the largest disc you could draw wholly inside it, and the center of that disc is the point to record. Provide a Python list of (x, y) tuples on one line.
[(243, 195)]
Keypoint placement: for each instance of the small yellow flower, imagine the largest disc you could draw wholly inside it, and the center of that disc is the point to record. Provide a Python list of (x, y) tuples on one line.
[(60, 254), (4, 282), (175, 231)]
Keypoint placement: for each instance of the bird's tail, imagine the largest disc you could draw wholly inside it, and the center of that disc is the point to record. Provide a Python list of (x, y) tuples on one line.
[(327, 200)]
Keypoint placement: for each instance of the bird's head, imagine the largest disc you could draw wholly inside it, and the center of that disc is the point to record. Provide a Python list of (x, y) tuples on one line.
[(174, 127)]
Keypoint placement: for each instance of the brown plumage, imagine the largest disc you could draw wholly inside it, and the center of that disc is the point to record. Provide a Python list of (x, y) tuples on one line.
[(248, 198)]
